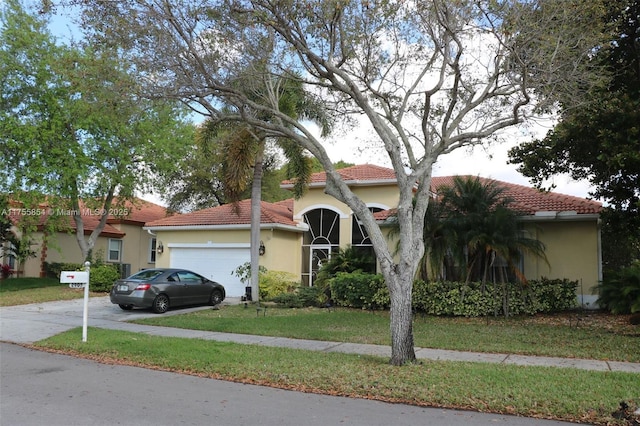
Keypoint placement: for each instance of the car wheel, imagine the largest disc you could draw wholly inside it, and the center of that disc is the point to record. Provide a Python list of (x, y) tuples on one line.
[(126, 307), (216, 297), (160, 304)]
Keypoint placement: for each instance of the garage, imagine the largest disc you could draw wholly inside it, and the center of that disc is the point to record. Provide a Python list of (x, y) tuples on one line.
[(214, 261)]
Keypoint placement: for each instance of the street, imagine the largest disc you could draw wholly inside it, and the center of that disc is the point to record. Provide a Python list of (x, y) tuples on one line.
[(39, 388)]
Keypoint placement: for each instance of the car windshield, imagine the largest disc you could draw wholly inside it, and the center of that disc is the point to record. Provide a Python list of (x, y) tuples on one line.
[(147, 275)]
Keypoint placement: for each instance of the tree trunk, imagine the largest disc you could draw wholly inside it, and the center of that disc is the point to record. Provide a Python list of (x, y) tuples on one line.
[(402, 350), (256, 199)]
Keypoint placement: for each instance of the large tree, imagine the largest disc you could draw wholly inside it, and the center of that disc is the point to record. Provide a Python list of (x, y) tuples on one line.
[(73, 129), (599, 140), (428, 76)]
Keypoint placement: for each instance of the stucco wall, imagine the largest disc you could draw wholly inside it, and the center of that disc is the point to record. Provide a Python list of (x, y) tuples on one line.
[(572, 249), (63, 247), (282, 248), (136, 247), (282, 251), (386, 196)]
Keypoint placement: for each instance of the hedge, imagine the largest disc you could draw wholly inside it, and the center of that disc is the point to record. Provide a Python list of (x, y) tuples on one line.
[(472, 300), (362, 290)]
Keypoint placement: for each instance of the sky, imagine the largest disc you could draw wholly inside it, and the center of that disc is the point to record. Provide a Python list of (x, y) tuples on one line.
[(358, 146), (484, 161)]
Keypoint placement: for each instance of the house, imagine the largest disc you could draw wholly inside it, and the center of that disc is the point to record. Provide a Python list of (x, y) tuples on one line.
[(298, 235), (123, 240)]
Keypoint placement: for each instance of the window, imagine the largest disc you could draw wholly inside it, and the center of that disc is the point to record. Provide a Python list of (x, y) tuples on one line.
[(146, 275), (152, 250), (115, 251), (361, 242), (189, 277), (319, 241)]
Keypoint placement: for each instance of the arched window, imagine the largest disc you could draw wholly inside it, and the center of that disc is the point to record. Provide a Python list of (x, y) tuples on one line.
[(322, 239), (360, 239)]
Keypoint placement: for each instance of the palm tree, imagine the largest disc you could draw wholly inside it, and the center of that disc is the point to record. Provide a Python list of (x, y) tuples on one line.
[(486, 230), (471, 225), (244, 148)]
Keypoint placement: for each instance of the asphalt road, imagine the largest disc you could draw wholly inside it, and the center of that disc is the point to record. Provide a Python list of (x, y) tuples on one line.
[(39, 388)]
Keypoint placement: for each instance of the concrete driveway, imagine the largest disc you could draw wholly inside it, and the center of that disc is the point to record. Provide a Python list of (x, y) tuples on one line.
[(30, 323)]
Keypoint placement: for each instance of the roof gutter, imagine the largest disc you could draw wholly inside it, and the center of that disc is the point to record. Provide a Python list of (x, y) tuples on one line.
[(565, 216)]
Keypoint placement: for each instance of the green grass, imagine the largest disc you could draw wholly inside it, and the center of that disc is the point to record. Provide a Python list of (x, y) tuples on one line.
[(566, 394), (515, 335), (21, 291)]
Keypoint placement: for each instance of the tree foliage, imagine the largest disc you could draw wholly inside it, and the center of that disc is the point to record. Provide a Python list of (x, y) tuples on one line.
[(600, 140), (428, 76), (483, 232), (74, 131), (472, 234)]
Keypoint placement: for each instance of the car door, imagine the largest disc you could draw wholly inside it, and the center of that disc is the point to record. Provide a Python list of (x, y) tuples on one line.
[(176, 290), (194, 289)]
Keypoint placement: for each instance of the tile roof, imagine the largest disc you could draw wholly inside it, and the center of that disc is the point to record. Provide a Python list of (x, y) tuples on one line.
[(528, 201), (362, 174), (138, 212), (280, 213)]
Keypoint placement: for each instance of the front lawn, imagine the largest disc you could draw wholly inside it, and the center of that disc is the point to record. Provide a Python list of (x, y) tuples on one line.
[(21, 291), (578, 335), (544, 392)]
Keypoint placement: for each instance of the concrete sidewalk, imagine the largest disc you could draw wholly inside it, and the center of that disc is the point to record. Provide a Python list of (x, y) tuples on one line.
[(30, 323)]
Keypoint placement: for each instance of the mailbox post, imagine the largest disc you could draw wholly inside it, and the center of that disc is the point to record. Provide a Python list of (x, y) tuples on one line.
[(79, 279)]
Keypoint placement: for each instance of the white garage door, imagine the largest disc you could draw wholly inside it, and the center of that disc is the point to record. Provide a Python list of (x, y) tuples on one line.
[(215, 263)]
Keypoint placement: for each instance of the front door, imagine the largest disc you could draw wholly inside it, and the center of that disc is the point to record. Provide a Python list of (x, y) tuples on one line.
[(319, 256)]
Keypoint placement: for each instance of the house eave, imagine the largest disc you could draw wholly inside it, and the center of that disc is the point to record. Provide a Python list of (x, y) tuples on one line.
[(349, 183), (553, 216), (268, 226)]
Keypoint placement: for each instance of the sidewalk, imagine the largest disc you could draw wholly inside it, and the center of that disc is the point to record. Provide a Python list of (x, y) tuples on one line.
[(30, 323)]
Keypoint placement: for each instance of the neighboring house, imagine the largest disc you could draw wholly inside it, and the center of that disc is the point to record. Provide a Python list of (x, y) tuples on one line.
[(298, 236), (123, 240)]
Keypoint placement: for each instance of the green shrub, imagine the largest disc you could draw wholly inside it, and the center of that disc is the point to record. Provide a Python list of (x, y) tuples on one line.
[(453, 298), (553, 295), (358, 290), (53, 269), (312, 296), (362, 290), (349, 259), (275, 283), (244, 272), (620, 293), (101, 278), (288, 300), (473, 299)]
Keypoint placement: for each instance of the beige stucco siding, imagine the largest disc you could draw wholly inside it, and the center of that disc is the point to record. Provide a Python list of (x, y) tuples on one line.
[(282, 251), (136, 247), (571, 249), (385, 196), (63, 248), (282, 248)]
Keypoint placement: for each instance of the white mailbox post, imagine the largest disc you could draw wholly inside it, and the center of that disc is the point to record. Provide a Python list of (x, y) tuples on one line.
[(79, 279)]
